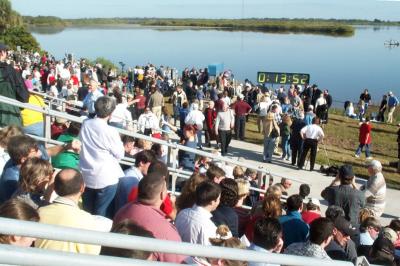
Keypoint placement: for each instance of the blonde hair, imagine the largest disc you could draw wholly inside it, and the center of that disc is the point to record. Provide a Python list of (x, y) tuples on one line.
[(243, 187), (238, 172), (7, 133), (34, 171), (364, 214), (275, 191), (287, 120)]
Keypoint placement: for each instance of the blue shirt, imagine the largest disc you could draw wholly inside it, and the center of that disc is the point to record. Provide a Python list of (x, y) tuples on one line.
[(125, 186), (393, 101), (9, 181), (259, 249), (294, 228)]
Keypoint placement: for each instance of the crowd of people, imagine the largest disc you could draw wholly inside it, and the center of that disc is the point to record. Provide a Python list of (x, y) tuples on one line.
[(82, 184)]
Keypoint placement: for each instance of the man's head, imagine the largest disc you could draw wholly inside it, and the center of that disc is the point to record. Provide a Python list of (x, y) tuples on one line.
[(127, 227), (316, 121), (104, 106), (343, 231), (334, 212), (215, 174), (374, 167), (372, 226), (22, 147), (152, 189), (294, 203), (321, 231), (69, 182), (286, 183), (304, 190), (268, 234), (346, 174), (208, 195), (143, 160)]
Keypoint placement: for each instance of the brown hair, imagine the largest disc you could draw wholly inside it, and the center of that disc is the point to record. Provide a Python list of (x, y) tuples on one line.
[(19, 210), (188, 195), (271, 207), (7, 133), (34, 171), (274, 190)]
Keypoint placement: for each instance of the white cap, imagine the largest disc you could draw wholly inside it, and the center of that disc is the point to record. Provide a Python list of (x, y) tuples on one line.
[(314, 201)]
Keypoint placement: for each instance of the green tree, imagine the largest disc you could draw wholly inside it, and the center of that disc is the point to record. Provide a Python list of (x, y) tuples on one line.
[(12, 30)]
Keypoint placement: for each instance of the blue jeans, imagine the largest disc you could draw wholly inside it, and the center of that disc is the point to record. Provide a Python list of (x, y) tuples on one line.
[(36, 129), (97, 201), (199, 133), (286, 147), (269, 145), (360, 148)]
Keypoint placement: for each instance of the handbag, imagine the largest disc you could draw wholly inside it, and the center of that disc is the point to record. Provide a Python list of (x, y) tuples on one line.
[(274, 133)]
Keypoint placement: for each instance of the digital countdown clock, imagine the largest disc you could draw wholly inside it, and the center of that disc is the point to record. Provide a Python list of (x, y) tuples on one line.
[(283, 78)]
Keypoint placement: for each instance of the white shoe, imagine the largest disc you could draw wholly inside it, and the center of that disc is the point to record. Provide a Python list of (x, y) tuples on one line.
[(370, 158), (356, 155)]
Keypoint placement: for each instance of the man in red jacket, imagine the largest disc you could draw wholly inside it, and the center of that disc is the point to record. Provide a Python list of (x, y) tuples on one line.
[(242, 109), (365, 139)]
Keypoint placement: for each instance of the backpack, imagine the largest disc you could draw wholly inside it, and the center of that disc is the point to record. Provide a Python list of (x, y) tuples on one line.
[(9, 114)]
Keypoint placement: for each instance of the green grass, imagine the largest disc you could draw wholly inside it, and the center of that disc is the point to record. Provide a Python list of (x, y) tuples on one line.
[(341, 142)]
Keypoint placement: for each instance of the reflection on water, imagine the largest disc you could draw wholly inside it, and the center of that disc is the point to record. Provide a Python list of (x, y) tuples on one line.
[(345, 66)]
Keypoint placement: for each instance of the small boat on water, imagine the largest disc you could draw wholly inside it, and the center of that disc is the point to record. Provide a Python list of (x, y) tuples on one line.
[(392, 43)]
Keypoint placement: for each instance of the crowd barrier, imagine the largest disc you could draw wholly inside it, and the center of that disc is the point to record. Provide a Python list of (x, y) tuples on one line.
[(48, 112), (20, 256)]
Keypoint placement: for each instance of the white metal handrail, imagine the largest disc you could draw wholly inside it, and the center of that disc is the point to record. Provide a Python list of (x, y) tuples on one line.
[(61, 233), (129, 162), (13, 255), (50, 112)]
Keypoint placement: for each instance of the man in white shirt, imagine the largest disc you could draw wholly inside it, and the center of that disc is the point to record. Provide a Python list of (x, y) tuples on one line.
[(102, 148), (194, 224), (311, 135), (375, 189), (196, 117), (148, 122)]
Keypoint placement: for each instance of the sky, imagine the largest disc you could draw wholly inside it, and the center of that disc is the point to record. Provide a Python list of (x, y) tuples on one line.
[(339, 9)]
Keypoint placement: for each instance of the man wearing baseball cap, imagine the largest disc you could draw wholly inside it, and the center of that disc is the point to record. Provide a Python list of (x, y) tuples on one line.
[(343, 192), (342, 233), (13, 87)]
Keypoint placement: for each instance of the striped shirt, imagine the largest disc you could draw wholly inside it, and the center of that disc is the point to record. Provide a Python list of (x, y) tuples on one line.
[(375, 193)]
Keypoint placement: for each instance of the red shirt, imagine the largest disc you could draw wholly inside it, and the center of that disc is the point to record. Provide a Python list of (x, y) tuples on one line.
[(153, 220), (242, 108), (365, 133), (211, 115), (75, 80), (166, 207), (309, 216), (141, 104)]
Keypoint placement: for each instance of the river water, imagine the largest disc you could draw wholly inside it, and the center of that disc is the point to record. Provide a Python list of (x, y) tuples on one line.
[(344, 65)]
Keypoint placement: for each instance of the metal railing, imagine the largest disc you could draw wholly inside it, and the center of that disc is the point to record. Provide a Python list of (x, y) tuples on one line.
[(170, 145), (175, 172), (60, 233)]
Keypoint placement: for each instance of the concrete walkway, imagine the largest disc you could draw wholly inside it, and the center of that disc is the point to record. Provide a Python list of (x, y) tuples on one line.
[(252, 153)]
